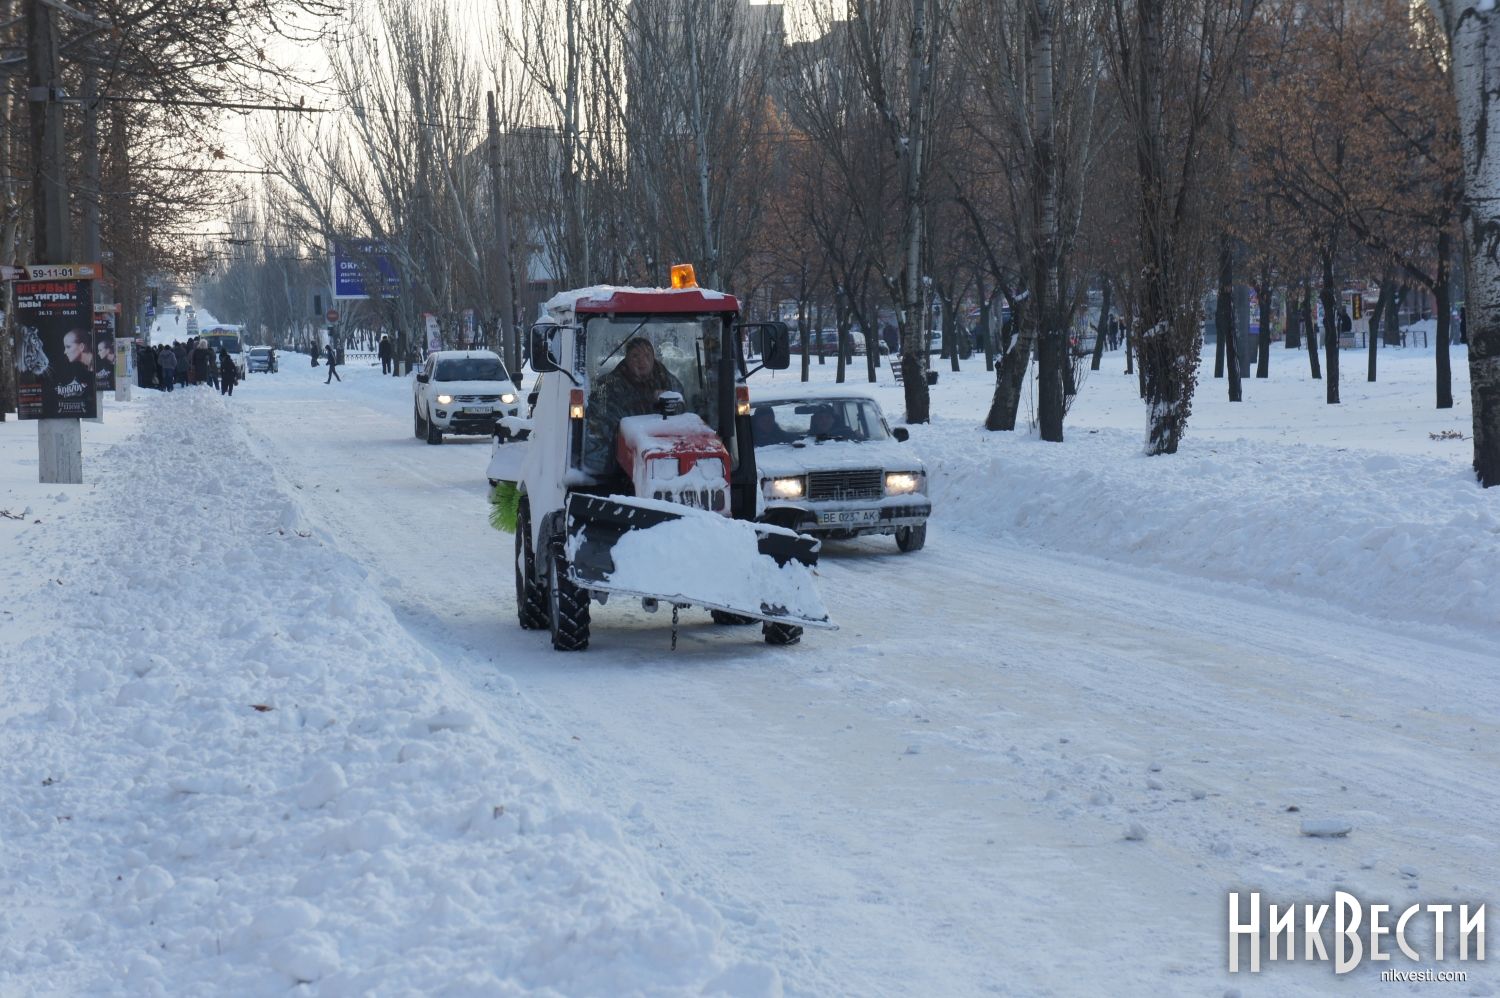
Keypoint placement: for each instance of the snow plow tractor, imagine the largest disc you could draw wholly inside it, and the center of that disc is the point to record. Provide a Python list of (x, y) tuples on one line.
[(636, 475)]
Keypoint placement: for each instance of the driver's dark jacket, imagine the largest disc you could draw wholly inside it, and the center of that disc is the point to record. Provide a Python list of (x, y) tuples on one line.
[(616, 396)]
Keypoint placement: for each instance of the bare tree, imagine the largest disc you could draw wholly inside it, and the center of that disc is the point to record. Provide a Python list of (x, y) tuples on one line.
[(1174, 61)]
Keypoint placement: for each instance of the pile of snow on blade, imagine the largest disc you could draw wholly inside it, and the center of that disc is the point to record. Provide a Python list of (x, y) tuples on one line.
[(707, 559), (227, 769)]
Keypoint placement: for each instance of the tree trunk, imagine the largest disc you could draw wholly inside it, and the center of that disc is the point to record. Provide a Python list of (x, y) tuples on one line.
[(1443, 294), (1473, 32), (1052, 348), (1263, 341), (913, 340), (1312, 333), (1330, 328), (1377, 316), (986, 311), (1010, 376), (1105, 304), (1224, 307), (803, 328), (841, 323), (1293, 339)]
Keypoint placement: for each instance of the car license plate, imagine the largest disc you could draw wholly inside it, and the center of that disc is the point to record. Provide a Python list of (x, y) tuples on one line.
[(846, 517), (479, 410)]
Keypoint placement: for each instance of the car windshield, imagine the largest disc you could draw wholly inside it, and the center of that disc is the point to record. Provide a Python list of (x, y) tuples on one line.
[(229, 342), (684, 357), (470, 369), (260, 351), (814, 420)]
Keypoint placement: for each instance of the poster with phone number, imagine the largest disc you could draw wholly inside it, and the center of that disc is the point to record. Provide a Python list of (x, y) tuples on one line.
[(56, 363)]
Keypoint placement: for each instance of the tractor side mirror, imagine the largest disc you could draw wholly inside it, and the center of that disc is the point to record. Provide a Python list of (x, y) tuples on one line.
[(542, 358), (901, 433), (774, 343)]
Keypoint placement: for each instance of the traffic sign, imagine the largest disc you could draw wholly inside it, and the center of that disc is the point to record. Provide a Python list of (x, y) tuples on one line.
[(332, 315)]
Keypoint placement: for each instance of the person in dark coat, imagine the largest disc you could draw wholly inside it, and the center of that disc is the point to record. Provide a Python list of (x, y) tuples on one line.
[(333, 371), (229, 372), (145, 366), (203, 362), (166, 361), (385, 354), (184, 357)]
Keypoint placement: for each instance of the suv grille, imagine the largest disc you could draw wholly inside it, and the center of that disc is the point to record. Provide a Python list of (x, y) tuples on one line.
[(866, 483), (476, 398)]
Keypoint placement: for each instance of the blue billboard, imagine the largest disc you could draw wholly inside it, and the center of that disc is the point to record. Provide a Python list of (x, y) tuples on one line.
[(353, 260)]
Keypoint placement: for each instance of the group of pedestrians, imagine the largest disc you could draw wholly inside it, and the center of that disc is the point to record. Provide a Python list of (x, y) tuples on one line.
[(177, 365)]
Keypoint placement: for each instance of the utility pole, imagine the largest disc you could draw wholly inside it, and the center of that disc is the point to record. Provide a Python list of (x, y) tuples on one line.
[(59, 441), (510, 336), (91, 185)]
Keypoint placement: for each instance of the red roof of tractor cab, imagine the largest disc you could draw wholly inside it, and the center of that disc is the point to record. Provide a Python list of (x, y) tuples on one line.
[(658, 300)]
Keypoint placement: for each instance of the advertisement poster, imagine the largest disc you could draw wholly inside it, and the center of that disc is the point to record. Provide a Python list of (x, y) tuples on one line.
[(104, 351), (434, 337), (55, 369), (125, 360)]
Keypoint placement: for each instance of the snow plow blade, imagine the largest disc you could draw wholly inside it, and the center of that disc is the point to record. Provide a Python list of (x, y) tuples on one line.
[(693, 557)]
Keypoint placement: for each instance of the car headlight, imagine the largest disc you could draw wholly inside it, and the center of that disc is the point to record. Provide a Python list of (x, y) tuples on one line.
[(900, 483), (661, 468), (507, 398), (444, 399), (786, 488)]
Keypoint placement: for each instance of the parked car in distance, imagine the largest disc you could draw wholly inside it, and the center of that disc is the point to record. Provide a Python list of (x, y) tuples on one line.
[(261, 359), (461, 392), (831, 465)]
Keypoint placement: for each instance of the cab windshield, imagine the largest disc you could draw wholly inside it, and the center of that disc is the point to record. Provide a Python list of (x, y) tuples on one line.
[(683, 357), (227, 341)]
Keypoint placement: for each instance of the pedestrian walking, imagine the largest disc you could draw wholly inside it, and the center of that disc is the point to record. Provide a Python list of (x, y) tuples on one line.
[(229, 372), (166, 362), (385, 354), (333, 372)]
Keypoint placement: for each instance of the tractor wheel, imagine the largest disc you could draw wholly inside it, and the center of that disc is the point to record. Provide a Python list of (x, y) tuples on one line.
[(419, 429), (434, 435), (911, 538), (569, 609), (729, 619), (780, 634), (531, 595)]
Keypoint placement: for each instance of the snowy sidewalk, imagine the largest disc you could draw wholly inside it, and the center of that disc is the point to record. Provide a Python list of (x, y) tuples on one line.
[(225, 768)]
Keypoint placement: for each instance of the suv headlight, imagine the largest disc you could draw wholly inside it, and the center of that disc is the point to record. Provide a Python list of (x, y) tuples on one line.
[(786, 488), (444, 399), (900, 483), (508, 398)]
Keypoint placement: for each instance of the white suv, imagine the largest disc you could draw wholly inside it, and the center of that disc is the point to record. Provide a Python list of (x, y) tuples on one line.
[(463, 392)]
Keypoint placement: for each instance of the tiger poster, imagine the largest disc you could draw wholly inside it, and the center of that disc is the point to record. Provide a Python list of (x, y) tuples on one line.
[(55, 372)]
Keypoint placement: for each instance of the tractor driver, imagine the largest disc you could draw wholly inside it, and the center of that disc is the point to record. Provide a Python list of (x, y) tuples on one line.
[(630, 389)]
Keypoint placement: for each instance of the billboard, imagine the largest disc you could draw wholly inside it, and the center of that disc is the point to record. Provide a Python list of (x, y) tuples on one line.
[(354, 260), (55, 368), (104, 351)]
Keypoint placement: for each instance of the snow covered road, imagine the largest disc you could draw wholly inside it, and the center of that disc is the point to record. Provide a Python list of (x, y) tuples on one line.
[(1012, 771), (934, 800)]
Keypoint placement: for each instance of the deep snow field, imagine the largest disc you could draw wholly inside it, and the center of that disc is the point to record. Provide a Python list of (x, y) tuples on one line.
[(267, 723)]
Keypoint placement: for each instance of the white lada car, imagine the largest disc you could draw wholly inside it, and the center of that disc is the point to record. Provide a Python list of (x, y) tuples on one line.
[(830, 465)]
